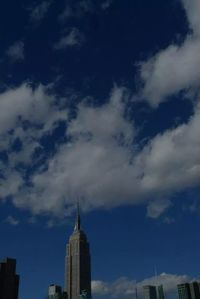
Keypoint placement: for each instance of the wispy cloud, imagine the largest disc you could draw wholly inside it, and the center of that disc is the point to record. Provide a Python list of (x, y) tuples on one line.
[(157, 207), (12, 220), (77, 9), (106, 4), (16, 51), (73, 38), (39, 12), (80, 8)]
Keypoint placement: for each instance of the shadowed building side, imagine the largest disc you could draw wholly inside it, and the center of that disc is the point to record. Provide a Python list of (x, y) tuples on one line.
[(195, 290), (9, 280), (149, 292), (189, 290), (77, 264), (184, 291), (160, 292)]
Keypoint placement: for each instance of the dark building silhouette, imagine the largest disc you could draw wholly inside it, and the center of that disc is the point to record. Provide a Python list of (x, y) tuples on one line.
[(160, 292), (189, 290), (194, 290), (77, 264), (153, 292), (184, 291), (9, 280), (150, 292)]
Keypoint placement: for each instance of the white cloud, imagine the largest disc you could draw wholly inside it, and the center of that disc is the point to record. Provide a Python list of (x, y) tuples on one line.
[(77, 9), (26, 103), (175, 68), (12, 220), (10, 184), (73, 38), (102, 165), (40, 11), (16, 51), (106, 4), (171, 70), (78, 169), (122, 287), (164, 162), (157, 207), (192, 8), (19, 105), (125, 288)]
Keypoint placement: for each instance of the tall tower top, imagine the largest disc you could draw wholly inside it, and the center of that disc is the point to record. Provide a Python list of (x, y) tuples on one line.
[(77, 226), (77, 265)]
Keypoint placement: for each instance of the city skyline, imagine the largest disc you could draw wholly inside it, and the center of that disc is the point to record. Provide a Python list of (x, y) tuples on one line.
[(100, 102), (169, 280)]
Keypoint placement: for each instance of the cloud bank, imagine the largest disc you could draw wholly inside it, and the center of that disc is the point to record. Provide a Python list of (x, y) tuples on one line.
[(100, 163), (99, 160), (126, 288)]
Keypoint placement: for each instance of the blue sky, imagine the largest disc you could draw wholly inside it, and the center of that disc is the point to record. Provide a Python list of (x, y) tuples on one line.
[(99, 102)]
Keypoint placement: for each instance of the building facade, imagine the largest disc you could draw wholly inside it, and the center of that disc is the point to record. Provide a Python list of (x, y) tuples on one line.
[(189, 290), (9, 280), (150, 292), (77, 264), (184, 291), (160, 292), (55, 292), (194, 290)]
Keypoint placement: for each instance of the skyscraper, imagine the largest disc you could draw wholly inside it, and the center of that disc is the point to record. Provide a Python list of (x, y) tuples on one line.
[(194, 290), (150, 292), (55, 292), (9, 280), (77, 263), (160, 292), (184, 291)]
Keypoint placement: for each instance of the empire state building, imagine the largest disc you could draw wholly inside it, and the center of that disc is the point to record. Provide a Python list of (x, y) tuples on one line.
[(77, 263)]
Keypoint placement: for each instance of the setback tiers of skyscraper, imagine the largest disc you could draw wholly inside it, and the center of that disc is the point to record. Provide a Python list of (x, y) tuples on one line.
[(77, 264)]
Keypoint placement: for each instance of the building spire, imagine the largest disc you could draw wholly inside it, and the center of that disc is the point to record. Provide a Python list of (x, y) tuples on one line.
[(77, 226)]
